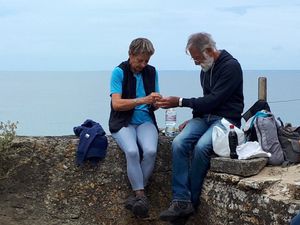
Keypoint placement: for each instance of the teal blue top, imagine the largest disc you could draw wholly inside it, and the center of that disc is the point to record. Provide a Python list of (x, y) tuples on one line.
[(141, 112)]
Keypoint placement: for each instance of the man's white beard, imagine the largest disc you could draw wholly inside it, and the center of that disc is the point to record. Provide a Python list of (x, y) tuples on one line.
[(207, 64)]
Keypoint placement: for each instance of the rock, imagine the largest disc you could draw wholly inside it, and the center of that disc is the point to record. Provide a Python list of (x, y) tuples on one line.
[(243, 168), (40, 185)]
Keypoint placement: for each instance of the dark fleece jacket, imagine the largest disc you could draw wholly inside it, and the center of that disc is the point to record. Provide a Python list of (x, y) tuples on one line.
[(222, 91)]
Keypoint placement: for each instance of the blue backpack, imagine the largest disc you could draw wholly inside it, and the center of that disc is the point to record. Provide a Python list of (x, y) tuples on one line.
[(92, 142)]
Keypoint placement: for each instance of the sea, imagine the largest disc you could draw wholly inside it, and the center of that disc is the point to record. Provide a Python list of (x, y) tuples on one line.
[(52, 103)]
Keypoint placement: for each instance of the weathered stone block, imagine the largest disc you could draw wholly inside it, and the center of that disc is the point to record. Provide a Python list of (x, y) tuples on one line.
[(243, 168)]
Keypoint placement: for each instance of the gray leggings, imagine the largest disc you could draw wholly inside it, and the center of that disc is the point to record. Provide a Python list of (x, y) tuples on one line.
[(127, 138)]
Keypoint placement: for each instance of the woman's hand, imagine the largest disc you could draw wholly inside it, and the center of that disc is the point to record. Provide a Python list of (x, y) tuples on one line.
[(152, 98), (120, 104)]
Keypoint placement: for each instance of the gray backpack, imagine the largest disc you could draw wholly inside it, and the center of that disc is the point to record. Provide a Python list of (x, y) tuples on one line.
[(266, 131)]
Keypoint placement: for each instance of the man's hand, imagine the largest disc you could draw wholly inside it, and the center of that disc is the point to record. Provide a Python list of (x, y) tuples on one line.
[(167, 102), (181, 126)]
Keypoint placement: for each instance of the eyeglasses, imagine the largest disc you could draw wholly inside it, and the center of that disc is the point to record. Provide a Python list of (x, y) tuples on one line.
[(200, 57), (196, 60)]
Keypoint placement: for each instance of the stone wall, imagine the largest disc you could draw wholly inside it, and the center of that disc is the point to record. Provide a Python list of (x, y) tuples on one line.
[(40, 185)]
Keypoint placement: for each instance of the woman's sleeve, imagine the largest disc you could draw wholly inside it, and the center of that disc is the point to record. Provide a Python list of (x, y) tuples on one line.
[(116, 81), (156, 82)]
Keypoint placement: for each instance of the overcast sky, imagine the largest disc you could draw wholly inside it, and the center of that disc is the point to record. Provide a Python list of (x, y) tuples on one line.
[(81, 35)]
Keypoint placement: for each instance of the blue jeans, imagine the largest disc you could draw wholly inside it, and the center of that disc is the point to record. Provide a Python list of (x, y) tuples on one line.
[(192, 149), (296, 220)]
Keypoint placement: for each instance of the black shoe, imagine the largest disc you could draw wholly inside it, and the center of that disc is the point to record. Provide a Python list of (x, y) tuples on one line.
[(177, 209), (130, 201), (141, 207), (180, 220)]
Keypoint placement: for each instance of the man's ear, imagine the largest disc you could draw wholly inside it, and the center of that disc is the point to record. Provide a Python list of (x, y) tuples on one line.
[(210, 51)]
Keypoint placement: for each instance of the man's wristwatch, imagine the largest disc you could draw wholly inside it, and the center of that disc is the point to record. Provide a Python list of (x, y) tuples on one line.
[(180, 102)]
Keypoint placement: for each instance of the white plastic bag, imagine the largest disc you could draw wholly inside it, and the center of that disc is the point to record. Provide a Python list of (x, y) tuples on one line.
[(250, 150), (220, 138)]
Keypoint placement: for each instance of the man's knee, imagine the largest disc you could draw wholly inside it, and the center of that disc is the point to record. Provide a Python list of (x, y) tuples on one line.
[(179, 141), (177, 145), (203, 152)]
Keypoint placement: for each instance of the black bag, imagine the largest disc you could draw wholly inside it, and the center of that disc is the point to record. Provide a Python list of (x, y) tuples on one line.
[(257, 106), (250, 135), (289, 138)]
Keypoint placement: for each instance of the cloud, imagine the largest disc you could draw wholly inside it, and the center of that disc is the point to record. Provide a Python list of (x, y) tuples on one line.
[(74, 34), (239, 10)]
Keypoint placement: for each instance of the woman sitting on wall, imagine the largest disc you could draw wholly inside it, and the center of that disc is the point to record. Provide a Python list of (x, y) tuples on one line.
[(134, 91)]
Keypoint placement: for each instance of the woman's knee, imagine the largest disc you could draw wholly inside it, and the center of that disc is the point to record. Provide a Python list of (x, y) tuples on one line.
[(132, 154), (149, 152)]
